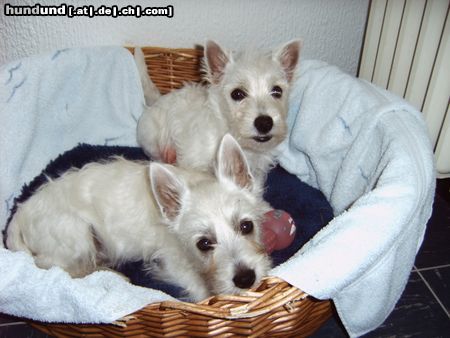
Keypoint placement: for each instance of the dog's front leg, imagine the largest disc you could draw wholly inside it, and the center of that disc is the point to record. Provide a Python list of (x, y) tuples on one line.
[(185, 275), (174, 267)]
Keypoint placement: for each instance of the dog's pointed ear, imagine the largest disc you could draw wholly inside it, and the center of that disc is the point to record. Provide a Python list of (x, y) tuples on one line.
[(288, 56), (169, 191), (216, 60), (232, 164), (151, 92)]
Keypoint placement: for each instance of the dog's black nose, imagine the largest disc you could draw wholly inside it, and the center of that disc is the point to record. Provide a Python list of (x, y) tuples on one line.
[(263, 124), (244, 278)]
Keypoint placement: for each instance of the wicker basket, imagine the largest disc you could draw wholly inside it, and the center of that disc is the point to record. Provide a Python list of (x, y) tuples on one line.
[(274, 308)]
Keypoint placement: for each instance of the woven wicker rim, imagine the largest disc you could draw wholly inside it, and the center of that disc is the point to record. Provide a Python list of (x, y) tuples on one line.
[(274, 308), (171, 68)]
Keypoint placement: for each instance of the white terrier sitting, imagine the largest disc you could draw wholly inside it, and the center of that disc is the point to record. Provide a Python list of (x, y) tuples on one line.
[(195, 230), (247, 97)]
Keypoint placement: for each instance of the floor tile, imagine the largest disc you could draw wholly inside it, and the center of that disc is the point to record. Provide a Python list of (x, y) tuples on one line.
[(417, 314), (332, 328), (435, 249), (443, 188), (439, 280), (5, 319), (21, 331)]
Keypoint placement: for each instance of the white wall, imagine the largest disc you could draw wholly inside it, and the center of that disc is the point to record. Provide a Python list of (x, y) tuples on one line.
[(332, 30)]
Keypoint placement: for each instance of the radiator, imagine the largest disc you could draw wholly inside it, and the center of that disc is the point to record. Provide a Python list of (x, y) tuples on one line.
[(407, 51)]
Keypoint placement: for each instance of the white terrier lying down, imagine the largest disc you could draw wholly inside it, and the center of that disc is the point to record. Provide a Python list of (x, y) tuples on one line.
[(192, 229), (247, 97)]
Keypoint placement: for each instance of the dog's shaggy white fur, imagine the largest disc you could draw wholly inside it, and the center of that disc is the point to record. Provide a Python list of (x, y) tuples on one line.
[(247, 96), (196, 230)]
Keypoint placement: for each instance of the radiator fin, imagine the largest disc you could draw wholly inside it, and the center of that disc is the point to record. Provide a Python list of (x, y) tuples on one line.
[(407, 51)]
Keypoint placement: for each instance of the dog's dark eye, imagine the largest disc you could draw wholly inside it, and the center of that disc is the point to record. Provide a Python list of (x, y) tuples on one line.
[(246, 227), (238, 94), (205, 244), (276, 92)]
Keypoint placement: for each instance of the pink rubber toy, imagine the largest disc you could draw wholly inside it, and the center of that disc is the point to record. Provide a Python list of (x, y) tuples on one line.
[(278, 230)]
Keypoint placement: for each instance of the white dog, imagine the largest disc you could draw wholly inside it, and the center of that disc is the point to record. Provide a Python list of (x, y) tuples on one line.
[(195, 230), (247, 97)]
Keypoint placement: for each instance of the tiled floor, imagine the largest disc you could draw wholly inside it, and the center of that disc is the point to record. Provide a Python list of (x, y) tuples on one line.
[(423, 310)]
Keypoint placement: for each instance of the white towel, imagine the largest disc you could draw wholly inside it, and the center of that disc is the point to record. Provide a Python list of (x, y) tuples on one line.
[(49, 104), (368, 151)]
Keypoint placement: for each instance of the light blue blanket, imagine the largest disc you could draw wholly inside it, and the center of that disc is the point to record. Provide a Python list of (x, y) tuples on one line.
[(49, 104), (367, 150)]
